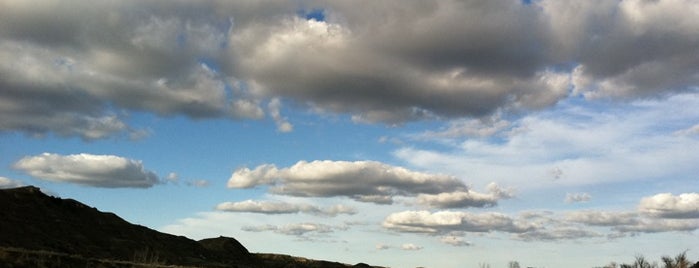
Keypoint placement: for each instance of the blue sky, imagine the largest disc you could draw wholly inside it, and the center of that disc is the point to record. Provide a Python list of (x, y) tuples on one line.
[(403, 134)]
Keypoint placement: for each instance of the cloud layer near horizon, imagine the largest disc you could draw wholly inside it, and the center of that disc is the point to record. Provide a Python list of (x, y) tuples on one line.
[(655, 214), (377, 62)]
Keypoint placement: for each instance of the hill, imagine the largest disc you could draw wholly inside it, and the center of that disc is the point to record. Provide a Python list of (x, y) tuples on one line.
[(44, 231)]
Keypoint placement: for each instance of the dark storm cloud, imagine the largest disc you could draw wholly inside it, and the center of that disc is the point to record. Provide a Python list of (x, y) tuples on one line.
[(82, 62)]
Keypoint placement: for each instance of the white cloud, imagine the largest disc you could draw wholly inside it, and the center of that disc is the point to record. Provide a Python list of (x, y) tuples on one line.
[(270, 207), (667, 205), (382, 246), (367, 181), (467, 198), (87, 169), (453, 221), (410, 247), (577, 197), (9, 183)]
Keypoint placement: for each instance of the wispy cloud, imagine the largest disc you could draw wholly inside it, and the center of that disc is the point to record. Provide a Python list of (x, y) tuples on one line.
[(577, 197), (270, 207), (573, 145)]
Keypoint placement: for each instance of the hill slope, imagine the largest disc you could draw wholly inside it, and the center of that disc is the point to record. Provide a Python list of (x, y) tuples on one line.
[(65, 230)]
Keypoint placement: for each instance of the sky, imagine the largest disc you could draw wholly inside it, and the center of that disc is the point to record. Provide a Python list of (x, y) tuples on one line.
[(554, 133)]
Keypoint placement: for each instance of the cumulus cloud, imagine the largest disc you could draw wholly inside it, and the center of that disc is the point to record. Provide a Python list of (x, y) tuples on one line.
[(92, 170), (425, 60), (442, 222), (610, 64), (467, 198), (667, 205), (659, 213), (9, 183), (270, 207), (365, 181), (577, 197)]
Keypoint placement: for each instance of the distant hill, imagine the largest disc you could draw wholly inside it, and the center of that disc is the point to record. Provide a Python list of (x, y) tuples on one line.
[(37, 230)]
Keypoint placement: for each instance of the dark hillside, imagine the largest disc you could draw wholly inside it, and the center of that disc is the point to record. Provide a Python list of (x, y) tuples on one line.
[(33, 220), (37, 230)]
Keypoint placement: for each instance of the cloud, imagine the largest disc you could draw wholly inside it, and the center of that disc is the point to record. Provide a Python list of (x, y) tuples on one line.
[(603, 218), (443, 222), (455, 241), (299, 229), (382, 246), (478, 128), (667, 205), (92, 170), (198, 183), (565, 233), (659, 213), (410, 247), (6, 183), (467, 198), (223, 60), (577, 197), (282, 124), (691, 131), (610, 64), (71, 80), (269, 207), (572, 144), (365, 181)]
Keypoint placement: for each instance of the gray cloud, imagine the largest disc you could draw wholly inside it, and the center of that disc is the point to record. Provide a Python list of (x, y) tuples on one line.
[(365, 181), (92, 170), (564, 233), (456, 241), (269, 207), (603, 218), (386, 61), (577, 197), (298, 229)]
